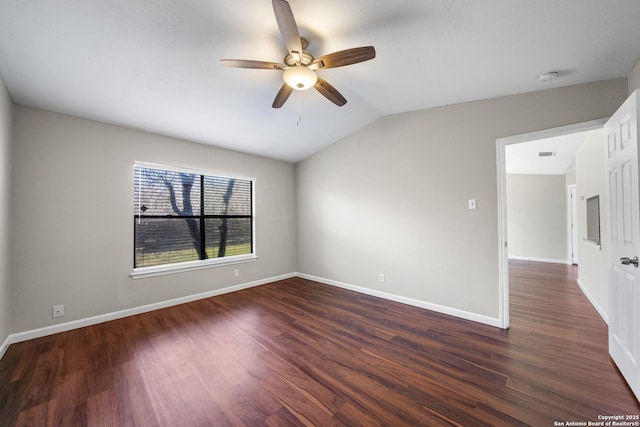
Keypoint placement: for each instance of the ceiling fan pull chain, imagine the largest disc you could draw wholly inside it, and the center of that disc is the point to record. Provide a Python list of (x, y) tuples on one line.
[(299, 106)]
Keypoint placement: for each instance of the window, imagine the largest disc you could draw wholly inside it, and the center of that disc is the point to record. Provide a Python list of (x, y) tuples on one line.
[(181, 216)]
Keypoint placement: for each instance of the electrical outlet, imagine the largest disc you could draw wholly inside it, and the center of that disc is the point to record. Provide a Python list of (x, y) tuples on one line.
[(236, 273), (381, 277), (58, 310)]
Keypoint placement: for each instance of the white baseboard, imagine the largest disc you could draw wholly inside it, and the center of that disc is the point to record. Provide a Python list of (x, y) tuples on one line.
[(594, 303), (491, 321), (5, 345), (75, 324), (80, 323), (554, 261)]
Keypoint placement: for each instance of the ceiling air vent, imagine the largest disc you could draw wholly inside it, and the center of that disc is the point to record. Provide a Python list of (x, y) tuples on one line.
[(546, 153)]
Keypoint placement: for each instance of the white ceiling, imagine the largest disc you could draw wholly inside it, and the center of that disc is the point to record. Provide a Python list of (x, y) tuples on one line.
[(153, 65), (523, 158)]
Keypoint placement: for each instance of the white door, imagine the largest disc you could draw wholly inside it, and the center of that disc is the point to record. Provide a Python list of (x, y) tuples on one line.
[(621, 133)]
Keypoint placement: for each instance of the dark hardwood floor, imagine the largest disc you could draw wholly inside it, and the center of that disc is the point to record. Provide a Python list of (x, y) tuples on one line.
[(296, 352)]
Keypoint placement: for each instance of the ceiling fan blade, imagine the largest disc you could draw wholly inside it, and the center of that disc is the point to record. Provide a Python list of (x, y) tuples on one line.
[(247, 63), (288, 27), (345, 57), (330, 92), (282, 96)]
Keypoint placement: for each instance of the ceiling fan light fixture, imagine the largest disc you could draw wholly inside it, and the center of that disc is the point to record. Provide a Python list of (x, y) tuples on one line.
[(300, 77)]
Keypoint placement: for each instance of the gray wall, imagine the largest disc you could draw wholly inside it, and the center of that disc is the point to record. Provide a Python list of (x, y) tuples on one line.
[(73, 224), (392, 197), (537, 217), (633, 80), (5, 214), (590, 181)]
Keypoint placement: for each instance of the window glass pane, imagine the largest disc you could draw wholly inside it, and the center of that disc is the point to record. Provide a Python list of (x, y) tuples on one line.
[(158, 192), (166, 240), (238, 237), (170, 224), (226, 196)]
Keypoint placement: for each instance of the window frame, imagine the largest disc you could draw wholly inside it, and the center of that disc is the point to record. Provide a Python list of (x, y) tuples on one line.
[(170, 268)]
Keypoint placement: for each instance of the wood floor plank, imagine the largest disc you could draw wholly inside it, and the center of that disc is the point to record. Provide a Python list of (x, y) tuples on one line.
[(301, 353)]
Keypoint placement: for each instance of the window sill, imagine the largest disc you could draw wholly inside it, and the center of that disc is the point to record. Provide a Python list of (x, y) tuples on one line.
[(161, 270)]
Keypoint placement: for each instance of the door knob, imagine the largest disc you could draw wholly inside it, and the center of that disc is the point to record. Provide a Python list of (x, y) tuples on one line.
[(627, 261)]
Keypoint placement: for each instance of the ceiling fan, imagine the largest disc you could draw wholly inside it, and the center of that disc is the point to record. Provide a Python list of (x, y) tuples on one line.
[(299, 66)]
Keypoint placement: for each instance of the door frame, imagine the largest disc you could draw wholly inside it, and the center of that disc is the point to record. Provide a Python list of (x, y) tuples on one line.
[(503, 252), (572, 226)]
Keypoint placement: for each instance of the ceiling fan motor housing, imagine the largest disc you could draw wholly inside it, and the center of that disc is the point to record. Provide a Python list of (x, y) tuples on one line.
[(294, 59), (298, 76)]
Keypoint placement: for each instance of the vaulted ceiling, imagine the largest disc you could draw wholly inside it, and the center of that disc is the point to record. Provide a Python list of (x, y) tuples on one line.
[(154, 65)]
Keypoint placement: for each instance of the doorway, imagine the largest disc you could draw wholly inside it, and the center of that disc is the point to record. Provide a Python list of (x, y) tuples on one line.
[(503, 245)]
